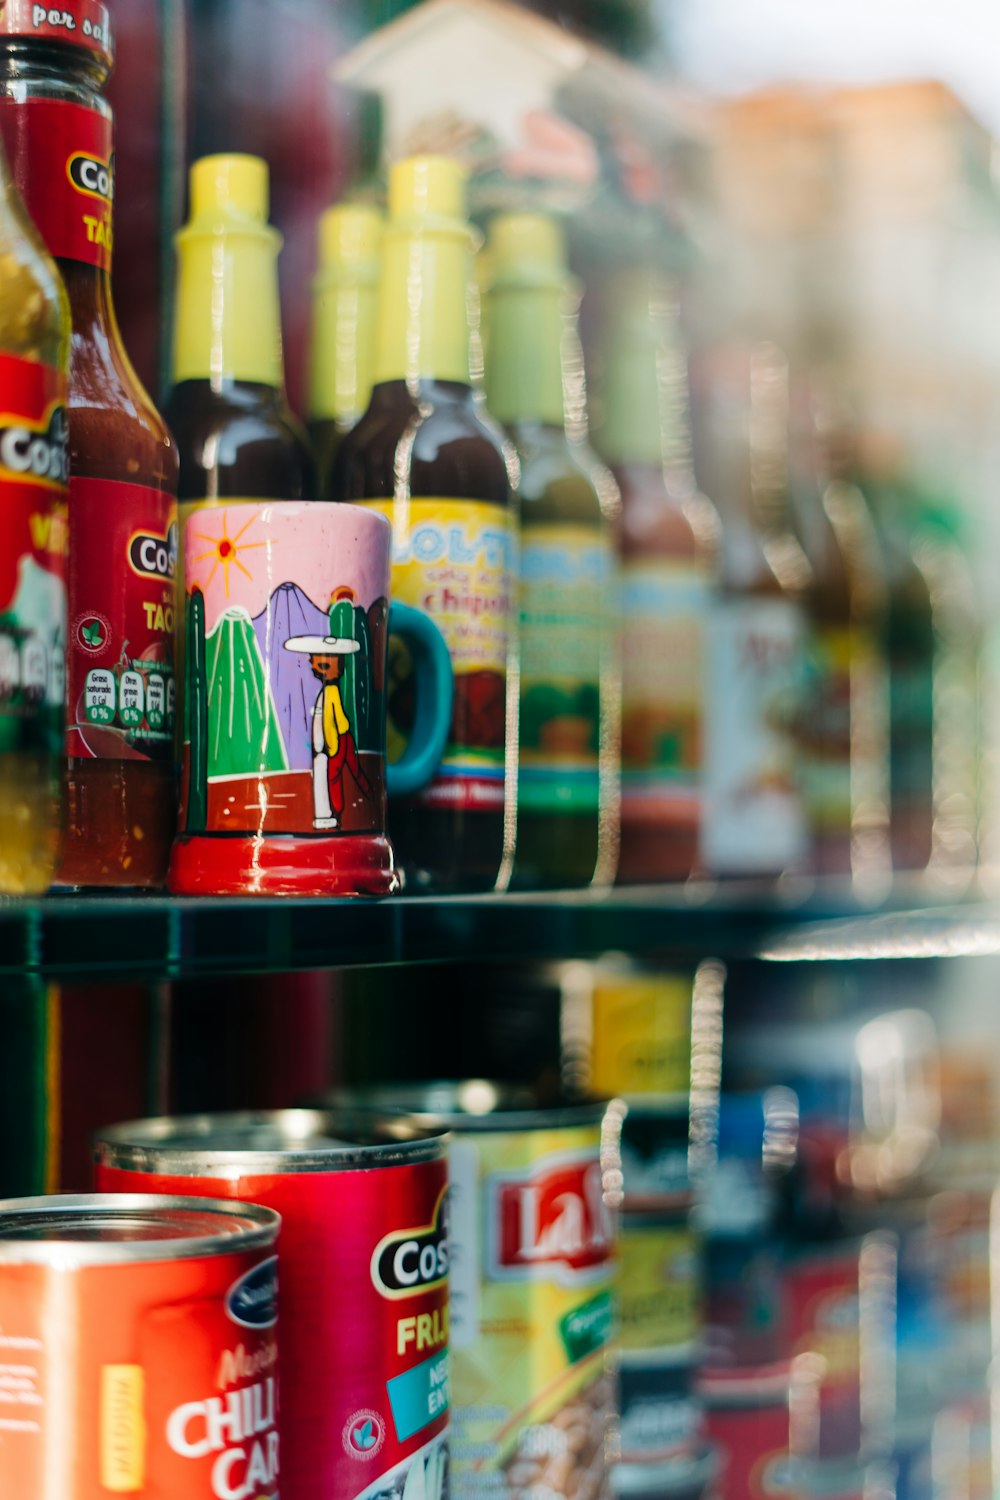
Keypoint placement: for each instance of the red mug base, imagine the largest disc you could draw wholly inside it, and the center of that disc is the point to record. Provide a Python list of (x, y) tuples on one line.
[(283, 865)]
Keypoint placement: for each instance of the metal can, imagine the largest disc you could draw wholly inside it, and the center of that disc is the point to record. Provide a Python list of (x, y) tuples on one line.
[(138, 1350), (364, 1280), (687, 1479), (661, 1417), (532, 1287)]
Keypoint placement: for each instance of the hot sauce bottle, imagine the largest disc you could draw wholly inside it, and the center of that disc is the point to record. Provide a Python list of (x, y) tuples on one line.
[(667, 536), (34, 469), (426, 454), (567, 752), (345, 298), (238, 441), (120, 701)]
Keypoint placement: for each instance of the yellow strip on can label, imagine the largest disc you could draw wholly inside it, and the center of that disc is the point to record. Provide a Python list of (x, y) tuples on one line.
[(660, 1293)]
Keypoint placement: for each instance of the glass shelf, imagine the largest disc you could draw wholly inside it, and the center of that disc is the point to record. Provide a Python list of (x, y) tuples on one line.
[(119, 937)]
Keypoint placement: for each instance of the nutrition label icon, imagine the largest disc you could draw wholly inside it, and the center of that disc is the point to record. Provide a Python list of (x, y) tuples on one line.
[(364, 1434), (333, 743)]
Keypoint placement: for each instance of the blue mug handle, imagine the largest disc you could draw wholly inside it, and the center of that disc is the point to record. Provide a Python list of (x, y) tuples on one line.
[(434, 689)]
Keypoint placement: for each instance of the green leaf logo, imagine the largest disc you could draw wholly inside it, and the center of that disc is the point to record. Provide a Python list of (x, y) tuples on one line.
[(91, 632), (364, 1436)]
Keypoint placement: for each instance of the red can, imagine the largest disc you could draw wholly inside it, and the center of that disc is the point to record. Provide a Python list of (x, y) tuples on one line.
[(364, 1280), (138, 1350)]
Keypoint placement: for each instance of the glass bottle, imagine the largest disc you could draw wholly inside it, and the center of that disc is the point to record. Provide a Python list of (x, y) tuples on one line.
[(343, 331), (754, 823), (57, 127), (236, 437), (667, 539), (567, 766), (847, 508), (34, 469), (426, 454)]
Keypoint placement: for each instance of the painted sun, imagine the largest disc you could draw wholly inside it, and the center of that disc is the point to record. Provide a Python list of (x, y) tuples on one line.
[(225, 551)]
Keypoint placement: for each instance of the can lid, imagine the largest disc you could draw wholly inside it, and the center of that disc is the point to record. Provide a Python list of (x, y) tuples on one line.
[(265, 1141), (81, 1229), (83, 24)]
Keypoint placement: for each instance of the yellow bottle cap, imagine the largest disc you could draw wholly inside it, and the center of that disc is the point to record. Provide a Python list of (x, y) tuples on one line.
[(427, 243), (233, 186), (228, 324), (527, 245), (350, 237), (427, 187)]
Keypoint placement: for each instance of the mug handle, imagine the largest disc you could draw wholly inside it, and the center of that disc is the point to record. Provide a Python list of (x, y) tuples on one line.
[(434, 691)]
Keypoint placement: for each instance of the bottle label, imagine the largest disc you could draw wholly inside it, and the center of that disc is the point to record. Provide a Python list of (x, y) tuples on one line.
[(664, 607), (456, 560), (564, 578), (826, 730), (85, 23), (62, 160), (122, 559), (34, 464), (285, 620), (754, 822)]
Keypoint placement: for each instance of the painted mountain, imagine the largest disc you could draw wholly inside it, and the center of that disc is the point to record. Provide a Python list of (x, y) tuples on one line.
[(293, 687), (244, 736)]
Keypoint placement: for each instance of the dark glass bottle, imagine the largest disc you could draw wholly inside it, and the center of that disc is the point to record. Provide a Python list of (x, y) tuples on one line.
[(236, 436), (426, 454), (567, 799)]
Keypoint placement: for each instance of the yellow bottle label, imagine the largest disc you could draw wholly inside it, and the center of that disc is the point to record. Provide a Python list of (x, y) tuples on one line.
[(456, 560), (641, 1034)]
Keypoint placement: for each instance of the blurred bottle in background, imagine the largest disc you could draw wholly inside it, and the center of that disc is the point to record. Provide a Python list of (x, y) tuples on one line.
[(345, 290), (754, 818), (667, 540), (567, 791)]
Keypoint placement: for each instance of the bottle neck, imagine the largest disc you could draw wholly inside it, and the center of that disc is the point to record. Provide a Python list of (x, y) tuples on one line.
[(343, 337), (524, 376), (423, 316), (228, 322)]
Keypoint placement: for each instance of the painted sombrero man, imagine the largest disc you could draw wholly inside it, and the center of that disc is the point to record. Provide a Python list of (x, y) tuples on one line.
[(322, 645)]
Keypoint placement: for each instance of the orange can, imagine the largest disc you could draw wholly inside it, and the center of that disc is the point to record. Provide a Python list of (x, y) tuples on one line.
[(138, 1348)]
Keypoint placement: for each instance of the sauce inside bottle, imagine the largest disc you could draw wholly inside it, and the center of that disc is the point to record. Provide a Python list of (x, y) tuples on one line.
[(426, 454), (567, 752), (123, 467)]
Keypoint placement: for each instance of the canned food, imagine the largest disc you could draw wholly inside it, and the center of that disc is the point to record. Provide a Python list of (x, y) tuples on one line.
[(138, 1350), (641, 1030), (532, 1278), (364, 1271), (655, 1139), (747, 1419)]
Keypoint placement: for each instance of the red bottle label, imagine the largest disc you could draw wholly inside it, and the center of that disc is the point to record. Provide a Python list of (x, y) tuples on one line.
[(62, 160), (78, 23), (123, 555), (34, 463)]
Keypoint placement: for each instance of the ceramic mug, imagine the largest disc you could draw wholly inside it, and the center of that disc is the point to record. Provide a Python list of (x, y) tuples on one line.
[(283, 770)]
